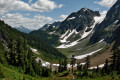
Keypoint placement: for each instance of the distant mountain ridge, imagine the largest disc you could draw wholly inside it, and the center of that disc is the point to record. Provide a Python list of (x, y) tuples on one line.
[(51, 27), (23, 29)]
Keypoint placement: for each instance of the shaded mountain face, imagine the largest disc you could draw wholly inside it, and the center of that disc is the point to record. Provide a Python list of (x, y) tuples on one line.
[(107, 29), (23, 29), (78, 20)]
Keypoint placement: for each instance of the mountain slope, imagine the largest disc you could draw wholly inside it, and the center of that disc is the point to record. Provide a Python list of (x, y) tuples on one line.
[(7, 33), (50, 39), (46, 33)]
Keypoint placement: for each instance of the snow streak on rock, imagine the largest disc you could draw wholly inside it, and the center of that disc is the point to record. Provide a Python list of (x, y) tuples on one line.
[(97, 20), (88, 54)]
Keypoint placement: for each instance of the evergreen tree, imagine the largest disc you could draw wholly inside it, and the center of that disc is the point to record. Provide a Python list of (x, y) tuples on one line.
[(118, 60), (79, 66), (72, 62), (87, 65), (106, 67), (59, 68), (65, 64), (113, 60)]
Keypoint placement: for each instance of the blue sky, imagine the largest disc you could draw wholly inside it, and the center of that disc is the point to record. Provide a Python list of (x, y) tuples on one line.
[(33, 14)]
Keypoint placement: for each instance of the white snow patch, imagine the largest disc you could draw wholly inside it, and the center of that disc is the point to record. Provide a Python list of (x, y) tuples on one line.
[(67, 36), (83, 63), (85, 34), (85, 9), (71, 18), (56, 65), (37, 59), (53, 26), (43, 64), (68, 45), (48, 25), (64, 34), (52, 32), (88, 54), (101, 40), (95, 67), (69, 66), (35, 50), (116, 21), (46, 64)]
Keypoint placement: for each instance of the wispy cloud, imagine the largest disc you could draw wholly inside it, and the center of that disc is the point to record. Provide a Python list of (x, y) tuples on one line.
[(106, 3), (17, 20)]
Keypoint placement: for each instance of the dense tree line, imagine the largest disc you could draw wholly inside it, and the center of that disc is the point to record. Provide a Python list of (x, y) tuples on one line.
[(49, 39), (62, 65)]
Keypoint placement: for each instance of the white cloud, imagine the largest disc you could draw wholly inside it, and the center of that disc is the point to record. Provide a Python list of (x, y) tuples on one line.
[(106, 3), (10, 5), (60, 6), (101, 18), (44, 5), (30, 1), (40, 5), (63, 17), (17, 20)]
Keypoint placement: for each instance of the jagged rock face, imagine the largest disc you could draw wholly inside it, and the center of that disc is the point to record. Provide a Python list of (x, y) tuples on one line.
[(77, 26), (78, 20), (107, 28), (50, 27), (45, 27), (116, 36)]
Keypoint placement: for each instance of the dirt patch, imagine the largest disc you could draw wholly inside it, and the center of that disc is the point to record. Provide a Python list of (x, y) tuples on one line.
[(99, 58)]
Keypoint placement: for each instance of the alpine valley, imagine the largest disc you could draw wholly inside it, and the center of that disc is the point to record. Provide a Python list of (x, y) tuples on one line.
[(85, 46)]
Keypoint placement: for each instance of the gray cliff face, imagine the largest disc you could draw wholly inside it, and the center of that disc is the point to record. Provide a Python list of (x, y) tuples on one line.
[(107, 29)]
